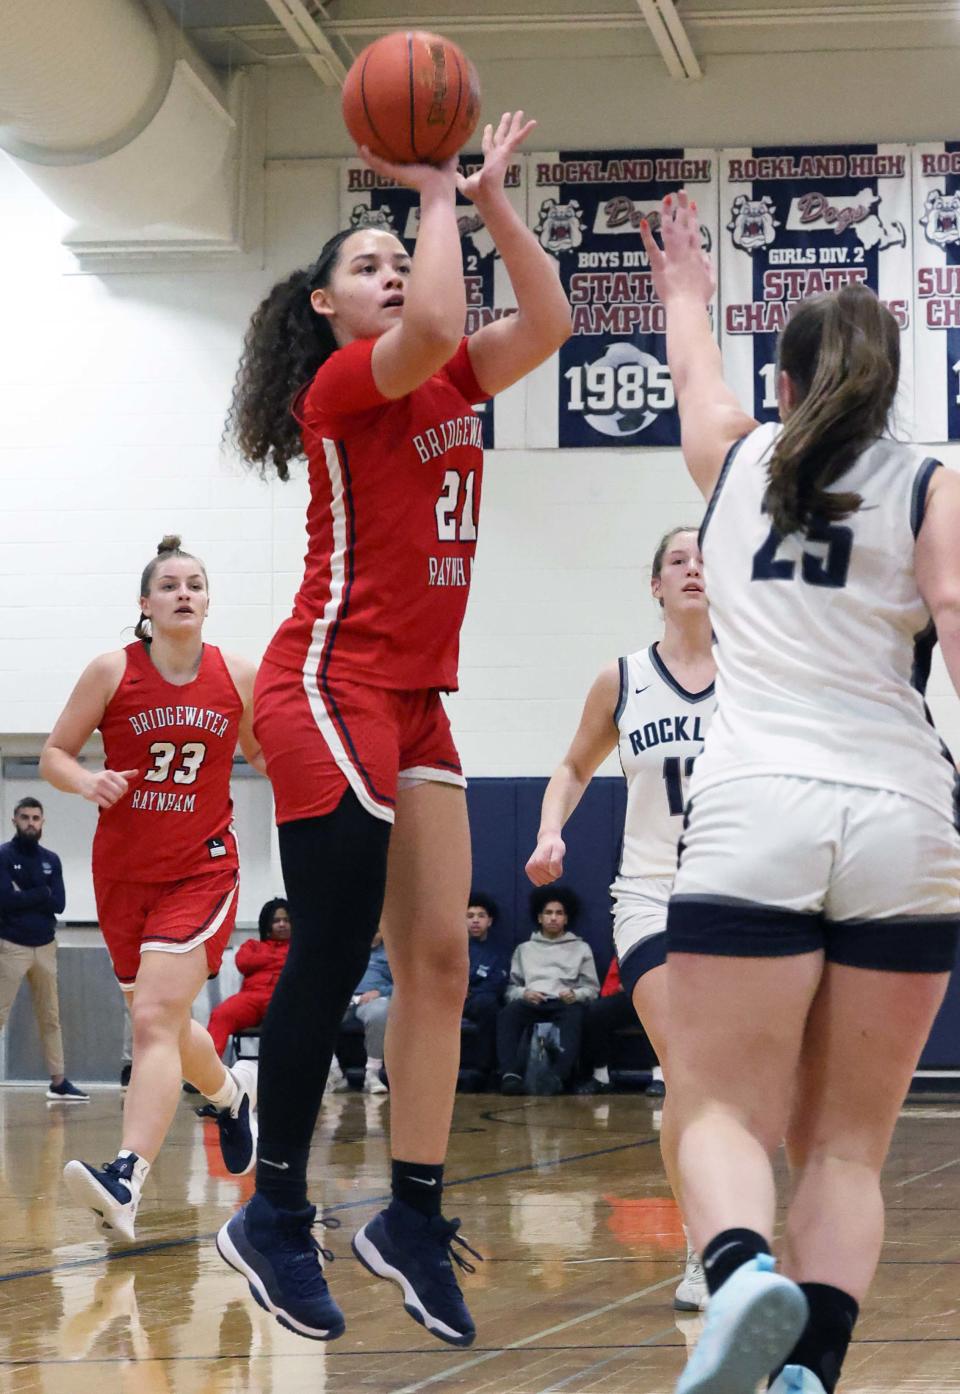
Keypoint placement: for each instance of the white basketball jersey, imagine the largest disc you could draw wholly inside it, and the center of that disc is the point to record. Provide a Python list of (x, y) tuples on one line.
[(823, 641), (662, 727)]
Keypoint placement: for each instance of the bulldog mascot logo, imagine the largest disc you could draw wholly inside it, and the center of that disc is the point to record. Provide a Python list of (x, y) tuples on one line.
[(752, 222), (560, 226)]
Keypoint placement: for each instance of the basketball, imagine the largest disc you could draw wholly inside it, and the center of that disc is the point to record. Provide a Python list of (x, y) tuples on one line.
[(412, 97)]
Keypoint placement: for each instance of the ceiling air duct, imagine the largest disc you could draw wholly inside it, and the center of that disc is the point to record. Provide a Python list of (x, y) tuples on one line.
[(106, 107)]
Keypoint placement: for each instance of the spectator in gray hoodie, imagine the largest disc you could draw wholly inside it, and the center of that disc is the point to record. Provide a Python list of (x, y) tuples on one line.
[(552, 977)]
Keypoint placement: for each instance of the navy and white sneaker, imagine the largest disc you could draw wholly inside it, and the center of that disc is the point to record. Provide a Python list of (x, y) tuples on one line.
[(277, 1253), (238, 1128), (416, 1252), (67, 1093), (752, 1324), (111, 1192)]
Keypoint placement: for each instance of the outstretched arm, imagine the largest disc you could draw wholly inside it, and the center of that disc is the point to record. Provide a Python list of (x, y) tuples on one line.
[(503, 352), (711, 418), (435, 301), (596, 737), (937, 562)]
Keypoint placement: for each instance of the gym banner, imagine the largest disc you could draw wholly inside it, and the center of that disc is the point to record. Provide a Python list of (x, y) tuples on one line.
[(798, 221), (936, 242), (609, 385), (368, 200)]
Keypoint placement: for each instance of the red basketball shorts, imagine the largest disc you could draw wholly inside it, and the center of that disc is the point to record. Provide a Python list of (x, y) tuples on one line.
[(323, 736), (170, 917)]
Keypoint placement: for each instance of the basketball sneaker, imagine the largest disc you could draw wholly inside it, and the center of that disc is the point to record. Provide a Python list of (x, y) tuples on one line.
[(67, 1093), (692, 1294), (416, 1252), (277, 1253), (112, 1192), (238, 1125), (752, 1322), (337, 1082), (796, 1379)]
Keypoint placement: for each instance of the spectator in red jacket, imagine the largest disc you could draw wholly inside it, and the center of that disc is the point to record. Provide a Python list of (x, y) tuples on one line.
[(259, 961)]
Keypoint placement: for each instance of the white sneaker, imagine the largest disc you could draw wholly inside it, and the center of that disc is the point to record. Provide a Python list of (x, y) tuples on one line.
[(111, 1192), (796, 1379), (752, 1323), (692, 1294), (337, 1082), (373, 1084)]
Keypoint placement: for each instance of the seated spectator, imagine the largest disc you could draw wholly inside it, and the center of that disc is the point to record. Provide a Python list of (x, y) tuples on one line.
[(369, 1005), (489, 970), (552, 977), (612, 1011), (259, 961)]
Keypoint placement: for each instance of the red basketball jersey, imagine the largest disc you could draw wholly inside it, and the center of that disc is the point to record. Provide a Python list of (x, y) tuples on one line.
[(391, 524), (176, 818)]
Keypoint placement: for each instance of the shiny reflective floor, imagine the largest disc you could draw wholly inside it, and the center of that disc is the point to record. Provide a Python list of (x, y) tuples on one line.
[(565, 1197)]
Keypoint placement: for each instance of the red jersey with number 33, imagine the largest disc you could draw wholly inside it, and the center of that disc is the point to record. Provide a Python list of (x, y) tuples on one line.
[(391, 524), (176, 818)]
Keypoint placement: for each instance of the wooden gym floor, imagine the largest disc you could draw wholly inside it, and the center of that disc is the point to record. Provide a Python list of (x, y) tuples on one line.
[(565, 1197)]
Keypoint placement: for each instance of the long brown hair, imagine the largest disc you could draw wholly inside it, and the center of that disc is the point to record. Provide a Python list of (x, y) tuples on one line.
[(286, 342), (842, 353)]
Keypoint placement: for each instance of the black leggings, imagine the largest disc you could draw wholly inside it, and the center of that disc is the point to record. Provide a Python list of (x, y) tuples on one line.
[(335, 872)]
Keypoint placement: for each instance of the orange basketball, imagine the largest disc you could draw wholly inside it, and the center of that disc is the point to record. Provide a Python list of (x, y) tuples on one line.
[(412, 98)]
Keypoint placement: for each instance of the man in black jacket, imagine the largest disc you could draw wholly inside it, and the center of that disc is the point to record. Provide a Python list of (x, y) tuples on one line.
[(489, 971), (31, 896)]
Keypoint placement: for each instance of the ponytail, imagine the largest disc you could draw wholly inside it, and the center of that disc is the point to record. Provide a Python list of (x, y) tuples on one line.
[(168, 546), (842, 353), (285, 344)]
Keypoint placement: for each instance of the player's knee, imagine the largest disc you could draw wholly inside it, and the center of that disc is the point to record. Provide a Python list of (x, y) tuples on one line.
[(439, 967), (157, 1018)]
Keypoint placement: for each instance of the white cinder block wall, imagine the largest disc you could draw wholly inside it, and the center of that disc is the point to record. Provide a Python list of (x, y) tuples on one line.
[(113, 389)]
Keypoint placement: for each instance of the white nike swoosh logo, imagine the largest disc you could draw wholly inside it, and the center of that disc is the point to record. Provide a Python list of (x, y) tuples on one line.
[(421, 1182), (281, 1166), (708, 1263)]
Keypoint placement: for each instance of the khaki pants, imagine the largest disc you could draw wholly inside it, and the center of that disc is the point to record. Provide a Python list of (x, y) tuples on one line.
[(39, 967)]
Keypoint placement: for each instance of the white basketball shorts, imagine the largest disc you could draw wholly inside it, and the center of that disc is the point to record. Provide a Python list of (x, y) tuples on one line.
[(775, 864)]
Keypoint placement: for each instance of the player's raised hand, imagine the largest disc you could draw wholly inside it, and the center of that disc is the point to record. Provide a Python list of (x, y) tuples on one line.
[(105, 788), (546, 864), (419, 177), (498, 148), (681, 267)]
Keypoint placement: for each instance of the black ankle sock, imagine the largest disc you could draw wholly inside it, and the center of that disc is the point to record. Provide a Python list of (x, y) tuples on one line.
[(727, 1251), (824, 1340), (282, 1176), (418, 1184)]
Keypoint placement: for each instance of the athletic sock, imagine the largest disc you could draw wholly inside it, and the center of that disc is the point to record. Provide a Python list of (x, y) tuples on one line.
[(373, 1065), (602, 1074), (690, 1249), (228, 1093), (826, 1336), (419, 1185), (657, 1073), (282, 1177), (728, 1251)]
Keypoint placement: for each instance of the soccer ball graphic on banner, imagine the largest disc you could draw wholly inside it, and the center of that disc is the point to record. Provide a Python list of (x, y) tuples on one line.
[(624, 391)]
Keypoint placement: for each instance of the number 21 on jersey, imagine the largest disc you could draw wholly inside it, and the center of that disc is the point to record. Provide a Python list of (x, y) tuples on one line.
[(456, 509)]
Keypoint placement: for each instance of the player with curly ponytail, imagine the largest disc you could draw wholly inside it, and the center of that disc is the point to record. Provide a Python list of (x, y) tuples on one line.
[(171, 710), (814, 920), (361, 364)]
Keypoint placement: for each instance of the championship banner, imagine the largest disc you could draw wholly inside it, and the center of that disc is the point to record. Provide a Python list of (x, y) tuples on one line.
[(798, 221), (369, 200), (609, 384), (936, 241)]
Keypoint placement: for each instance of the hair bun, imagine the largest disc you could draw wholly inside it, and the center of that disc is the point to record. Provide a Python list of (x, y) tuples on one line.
[(170, 542)]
